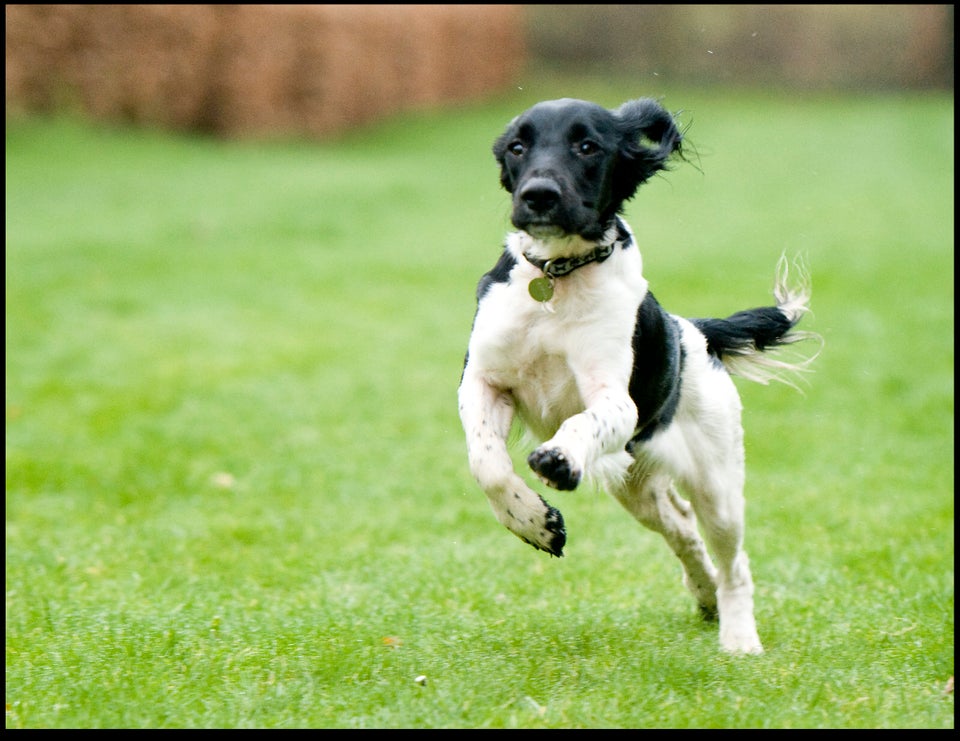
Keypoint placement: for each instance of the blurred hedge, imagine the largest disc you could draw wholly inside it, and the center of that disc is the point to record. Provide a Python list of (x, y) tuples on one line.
[(804, 46), (243, 70), (314, 70)]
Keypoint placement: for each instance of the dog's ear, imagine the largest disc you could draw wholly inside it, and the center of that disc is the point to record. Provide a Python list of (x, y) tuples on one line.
[(648, 137), (500, 150)]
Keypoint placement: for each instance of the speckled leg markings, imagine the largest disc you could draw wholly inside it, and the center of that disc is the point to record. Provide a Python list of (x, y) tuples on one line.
[(655, 503), (487, 414)]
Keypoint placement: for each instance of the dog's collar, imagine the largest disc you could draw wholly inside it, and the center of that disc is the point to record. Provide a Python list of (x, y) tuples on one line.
[(566, 265)]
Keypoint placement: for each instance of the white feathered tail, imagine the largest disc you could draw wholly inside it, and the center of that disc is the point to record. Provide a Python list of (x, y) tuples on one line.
[(750, 343)]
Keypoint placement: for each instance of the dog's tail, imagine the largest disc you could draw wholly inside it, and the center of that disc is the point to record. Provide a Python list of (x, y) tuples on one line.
[(743, 340)]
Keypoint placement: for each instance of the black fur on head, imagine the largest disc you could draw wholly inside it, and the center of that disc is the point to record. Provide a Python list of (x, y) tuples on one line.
[(571, 164)]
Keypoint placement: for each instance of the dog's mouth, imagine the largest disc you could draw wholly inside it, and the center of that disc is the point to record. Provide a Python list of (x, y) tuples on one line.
[(545, 231), (544, 210), (553, 225)]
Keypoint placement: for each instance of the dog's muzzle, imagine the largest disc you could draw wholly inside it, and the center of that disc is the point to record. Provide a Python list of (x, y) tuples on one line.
[(540, 195), (539, 209)]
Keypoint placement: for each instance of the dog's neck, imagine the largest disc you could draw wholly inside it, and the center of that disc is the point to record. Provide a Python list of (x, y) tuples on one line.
[(560, 256)]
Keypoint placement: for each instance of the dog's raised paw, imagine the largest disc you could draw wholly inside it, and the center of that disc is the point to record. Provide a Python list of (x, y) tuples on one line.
[(554, 468), (553, 536), (558, 532)]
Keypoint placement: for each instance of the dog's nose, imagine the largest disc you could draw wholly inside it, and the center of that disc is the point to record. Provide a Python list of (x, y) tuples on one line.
[(540, 194)]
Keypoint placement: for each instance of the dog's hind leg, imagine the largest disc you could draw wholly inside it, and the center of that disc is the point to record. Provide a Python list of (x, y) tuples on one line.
[(487, 414), (654, 502), (719, 506)]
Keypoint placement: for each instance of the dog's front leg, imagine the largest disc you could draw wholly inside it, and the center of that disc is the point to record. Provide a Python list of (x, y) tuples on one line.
[(486, 414), (593, 440)]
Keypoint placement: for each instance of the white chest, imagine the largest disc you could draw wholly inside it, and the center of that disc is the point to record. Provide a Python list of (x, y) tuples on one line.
[(545, 355)]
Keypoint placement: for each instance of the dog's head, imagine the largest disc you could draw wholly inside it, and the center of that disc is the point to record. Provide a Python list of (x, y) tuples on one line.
[(571, 164)]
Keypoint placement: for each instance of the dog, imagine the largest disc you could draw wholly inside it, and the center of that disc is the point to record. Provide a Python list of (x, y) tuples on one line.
[(568, 338)]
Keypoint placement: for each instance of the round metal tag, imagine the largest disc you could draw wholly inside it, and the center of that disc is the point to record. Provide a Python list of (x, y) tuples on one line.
[(541, 289)]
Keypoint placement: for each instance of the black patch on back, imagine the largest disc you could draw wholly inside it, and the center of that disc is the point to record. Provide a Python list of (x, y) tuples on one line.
[(499, 274), (754, 328), (623, 236), (657, 364)]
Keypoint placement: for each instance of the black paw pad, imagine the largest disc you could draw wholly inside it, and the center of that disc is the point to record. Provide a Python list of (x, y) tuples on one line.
[(554, 534), (558, 532), (554, 468)]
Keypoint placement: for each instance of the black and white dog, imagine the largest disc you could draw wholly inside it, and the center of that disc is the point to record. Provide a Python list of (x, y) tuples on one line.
[(568, 337)]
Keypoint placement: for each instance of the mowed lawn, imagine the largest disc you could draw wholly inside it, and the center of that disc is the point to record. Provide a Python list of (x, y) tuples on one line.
[(236, 485)]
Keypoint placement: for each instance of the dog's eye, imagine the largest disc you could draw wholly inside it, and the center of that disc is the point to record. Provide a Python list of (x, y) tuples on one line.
[(587, 147), (516, 148)]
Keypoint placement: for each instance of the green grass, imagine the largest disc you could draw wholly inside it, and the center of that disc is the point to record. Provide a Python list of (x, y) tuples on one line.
[(237, 493)]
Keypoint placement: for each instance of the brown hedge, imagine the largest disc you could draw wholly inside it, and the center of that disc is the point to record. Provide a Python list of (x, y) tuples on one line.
[(256, 70)]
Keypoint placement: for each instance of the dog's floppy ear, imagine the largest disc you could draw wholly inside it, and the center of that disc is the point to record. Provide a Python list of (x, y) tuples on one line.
[(648, 137), (500, 150)]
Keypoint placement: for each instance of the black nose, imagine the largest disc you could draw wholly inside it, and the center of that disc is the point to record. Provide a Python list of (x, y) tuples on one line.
[(540, 194)]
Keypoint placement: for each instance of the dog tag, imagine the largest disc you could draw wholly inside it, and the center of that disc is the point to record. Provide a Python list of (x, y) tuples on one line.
[(541, 289)]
